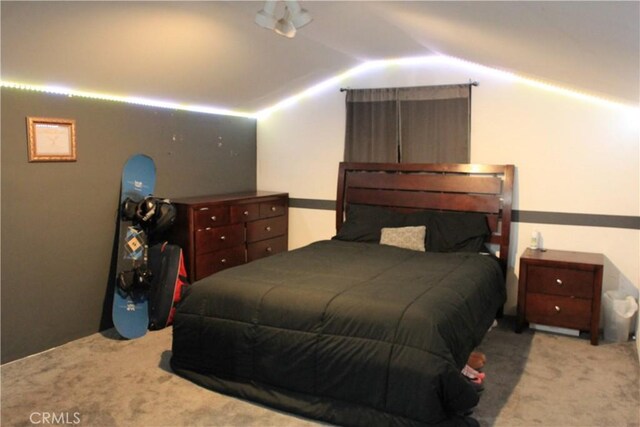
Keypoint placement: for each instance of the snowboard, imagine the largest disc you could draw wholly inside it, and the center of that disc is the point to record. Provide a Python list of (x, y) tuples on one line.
[(130, 307)]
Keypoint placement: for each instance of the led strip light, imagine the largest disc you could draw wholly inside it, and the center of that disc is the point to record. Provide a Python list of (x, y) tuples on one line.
[(330, 83), (447, 60), (58, 90)]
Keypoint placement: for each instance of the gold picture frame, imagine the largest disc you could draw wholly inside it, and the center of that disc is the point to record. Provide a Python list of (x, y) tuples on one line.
[(51, 140)]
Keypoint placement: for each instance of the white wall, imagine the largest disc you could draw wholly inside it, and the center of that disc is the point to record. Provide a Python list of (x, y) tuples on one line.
[(571, 155)]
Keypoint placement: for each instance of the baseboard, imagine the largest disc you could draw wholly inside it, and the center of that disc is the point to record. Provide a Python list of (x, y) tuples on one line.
[(555, 330)]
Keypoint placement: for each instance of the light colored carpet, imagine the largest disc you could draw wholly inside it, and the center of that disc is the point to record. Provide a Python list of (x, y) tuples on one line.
[(532, 379), (542, 379)]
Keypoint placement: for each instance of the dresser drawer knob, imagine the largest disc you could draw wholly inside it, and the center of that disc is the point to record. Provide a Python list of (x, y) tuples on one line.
[(559, 282), (268, 228), (213, 218), (273, 208), (269, 249), (223, 261), (246, 213), (203, 209), (557, 309), (223, 237)]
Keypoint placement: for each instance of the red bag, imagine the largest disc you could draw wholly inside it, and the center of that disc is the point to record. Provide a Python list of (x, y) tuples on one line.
[(168, 283)]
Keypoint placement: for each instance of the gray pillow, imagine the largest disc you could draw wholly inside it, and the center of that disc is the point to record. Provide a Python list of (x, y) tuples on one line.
[(404, 237)]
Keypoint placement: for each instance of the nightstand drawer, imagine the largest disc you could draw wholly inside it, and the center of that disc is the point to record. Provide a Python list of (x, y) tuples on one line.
[(566, 312), (560, 281)]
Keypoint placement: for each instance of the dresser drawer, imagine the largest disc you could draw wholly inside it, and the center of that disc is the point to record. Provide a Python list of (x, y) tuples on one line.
[(213, 262), (216, 238), (245, 212), (271, 209), (266, 228), (560, 311), (264, 248), (560, 281), (211, 216)]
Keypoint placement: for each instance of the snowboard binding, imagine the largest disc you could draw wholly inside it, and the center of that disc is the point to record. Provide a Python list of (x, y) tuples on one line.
[(135, 280), (153, 214)]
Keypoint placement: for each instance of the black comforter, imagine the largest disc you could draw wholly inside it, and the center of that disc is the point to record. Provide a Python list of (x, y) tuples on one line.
[(350, 333)]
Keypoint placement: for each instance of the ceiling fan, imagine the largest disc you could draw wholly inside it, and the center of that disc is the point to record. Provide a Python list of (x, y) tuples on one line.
[(294, 17)]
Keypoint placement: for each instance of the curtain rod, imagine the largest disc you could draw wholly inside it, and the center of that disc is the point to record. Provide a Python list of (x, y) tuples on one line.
[(471, 83)]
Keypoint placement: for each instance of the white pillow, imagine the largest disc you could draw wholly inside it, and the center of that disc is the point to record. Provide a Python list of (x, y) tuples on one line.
[(404, 237)]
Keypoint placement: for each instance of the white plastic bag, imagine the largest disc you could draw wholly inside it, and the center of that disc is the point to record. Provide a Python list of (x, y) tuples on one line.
[(626, 307)]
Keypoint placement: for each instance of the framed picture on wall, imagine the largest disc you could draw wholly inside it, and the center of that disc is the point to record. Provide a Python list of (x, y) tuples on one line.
[(51, 140)]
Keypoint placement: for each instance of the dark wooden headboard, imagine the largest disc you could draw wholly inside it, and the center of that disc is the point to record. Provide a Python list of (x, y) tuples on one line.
[(434, 186)]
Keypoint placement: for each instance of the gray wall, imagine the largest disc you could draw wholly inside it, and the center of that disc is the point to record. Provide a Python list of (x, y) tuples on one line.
[(59, 219)]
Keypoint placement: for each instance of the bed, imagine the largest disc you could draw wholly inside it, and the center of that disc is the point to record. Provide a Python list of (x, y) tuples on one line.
[(354, 332)]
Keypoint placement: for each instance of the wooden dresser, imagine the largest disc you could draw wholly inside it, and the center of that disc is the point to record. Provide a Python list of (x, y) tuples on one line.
[(222, 231), (560, 288)]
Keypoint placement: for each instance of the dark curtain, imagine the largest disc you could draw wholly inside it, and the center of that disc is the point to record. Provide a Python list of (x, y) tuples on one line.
[(429, 124), (372, 123)]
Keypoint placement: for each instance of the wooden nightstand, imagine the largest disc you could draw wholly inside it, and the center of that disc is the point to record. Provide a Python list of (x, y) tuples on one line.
[(560, 288)]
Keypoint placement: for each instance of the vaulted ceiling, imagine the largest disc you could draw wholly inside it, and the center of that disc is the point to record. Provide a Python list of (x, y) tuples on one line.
[(213, 53)]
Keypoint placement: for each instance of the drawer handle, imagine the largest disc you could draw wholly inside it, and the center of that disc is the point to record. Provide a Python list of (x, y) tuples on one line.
[(223, 261), (268, 228), (557, 309), (559, 282), (246, 213), (273, 208), (223, 237), (213, 218), (208, 228), (269, 249), (203, 209)]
